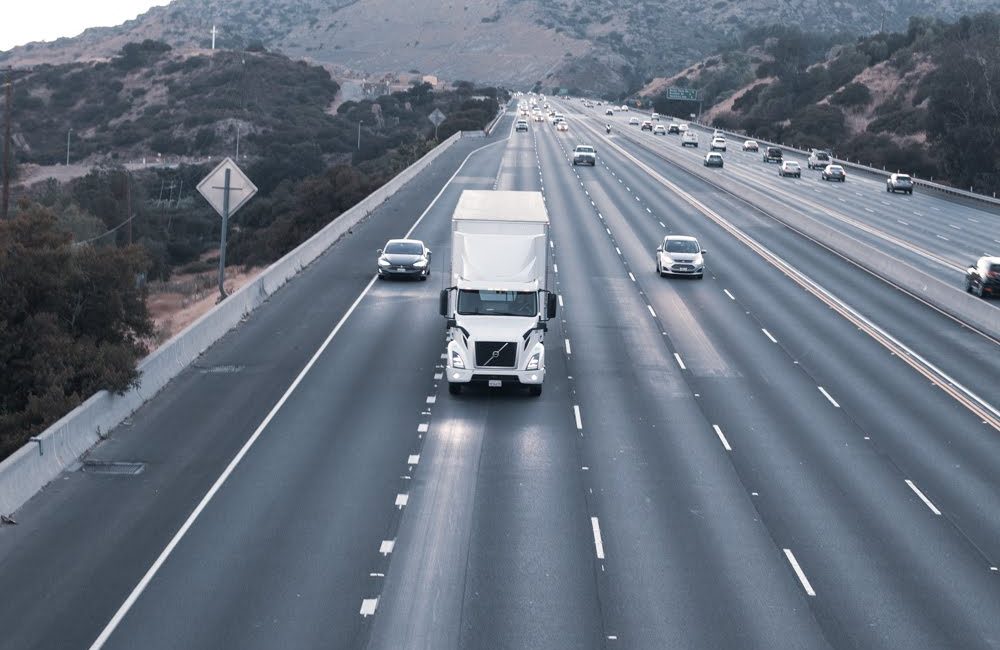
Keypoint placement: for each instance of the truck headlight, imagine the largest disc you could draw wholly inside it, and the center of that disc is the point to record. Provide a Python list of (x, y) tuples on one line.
[(534, 361), (383, 262), (456, 360)]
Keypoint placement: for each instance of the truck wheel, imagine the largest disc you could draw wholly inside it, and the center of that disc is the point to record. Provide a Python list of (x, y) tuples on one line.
[(979, 290), (968, 284), (454, 389), (535, 390)]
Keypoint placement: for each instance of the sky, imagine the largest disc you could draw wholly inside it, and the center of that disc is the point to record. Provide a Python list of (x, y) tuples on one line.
[(23, 21)]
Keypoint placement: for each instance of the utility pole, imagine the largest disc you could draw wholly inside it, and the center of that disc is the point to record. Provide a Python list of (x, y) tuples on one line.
[(6, 147), (68, 133), (128, 204), (359, 135), (214, 32), (237, 141)]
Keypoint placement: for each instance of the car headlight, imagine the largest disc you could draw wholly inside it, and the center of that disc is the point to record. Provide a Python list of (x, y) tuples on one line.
[(419, 264), (383, 262), (456, 360), (534, 361)]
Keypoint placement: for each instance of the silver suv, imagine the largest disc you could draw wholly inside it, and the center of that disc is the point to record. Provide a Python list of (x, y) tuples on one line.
[(584, 154), (819, 159), (899, 183)]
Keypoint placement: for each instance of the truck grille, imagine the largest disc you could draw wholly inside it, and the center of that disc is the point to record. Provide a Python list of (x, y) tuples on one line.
[(496, 354)]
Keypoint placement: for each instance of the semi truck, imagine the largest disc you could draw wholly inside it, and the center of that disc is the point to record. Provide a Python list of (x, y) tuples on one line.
[(498, 303)]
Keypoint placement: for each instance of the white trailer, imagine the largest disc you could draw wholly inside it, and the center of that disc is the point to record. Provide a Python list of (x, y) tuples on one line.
[(498, 303)]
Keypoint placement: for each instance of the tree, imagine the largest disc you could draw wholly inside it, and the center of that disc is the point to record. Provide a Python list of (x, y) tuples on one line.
[(73, 320)]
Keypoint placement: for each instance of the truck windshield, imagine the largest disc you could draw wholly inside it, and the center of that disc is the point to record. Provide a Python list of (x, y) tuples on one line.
[(497, 303)]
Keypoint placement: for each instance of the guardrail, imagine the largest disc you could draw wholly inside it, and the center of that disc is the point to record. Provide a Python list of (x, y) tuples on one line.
[(34, 465)]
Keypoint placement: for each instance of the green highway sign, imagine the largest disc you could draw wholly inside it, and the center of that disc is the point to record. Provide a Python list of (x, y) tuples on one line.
[(690, 94)]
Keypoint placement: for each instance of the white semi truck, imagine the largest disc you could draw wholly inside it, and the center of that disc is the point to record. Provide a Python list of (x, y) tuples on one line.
[(498, 303)]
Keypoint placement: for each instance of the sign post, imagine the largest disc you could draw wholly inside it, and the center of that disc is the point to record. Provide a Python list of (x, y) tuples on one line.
[(227, 189), (436, 118)]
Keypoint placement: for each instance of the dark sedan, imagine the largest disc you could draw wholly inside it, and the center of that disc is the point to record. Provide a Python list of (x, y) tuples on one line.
[(404, 258)]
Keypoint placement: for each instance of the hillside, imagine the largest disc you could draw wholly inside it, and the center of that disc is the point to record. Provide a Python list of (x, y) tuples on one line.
[(594, 46), (926, 100)]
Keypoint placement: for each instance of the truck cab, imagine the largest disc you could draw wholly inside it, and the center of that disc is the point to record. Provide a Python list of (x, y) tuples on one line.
[(498, 305)]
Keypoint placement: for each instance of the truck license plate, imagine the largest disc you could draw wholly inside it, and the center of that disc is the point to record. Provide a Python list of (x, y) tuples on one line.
[(495, 383)]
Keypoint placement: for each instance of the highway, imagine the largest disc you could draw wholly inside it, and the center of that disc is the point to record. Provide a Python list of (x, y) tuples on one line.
[(769, 457)]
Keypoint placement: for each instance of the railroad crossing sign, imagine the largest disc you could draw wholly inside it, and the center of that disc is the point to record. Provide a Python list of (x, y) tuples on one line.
[(226, 188), (689, 94), (437, 117)]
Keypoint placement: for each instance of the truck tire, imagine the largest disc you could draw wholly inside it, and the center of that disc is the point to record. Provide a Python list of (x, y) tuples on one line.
[(535, 390), (454, 389)]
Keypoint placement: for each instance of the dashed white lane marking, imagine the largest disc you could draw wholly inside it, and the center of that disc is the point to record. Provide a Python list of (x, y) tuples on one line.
[(902, 222), (662, 225), (726, 291), (631, 277), (768, 335), (827, 395), (680, 362), (973, 220), (401, 500), (560, 300), (598, 543), (628, 189), (951, 225), (576, 416), (569, 350), (413, 459), (618, 250), (869, 210), (600, 216), (927, 502), (649, 211), (551, 245), (886, 203), (798, 571), (650, 308), (943, 237), (368, 606), (636, 198), (858, 193), (431, 399), (386, 547), (555, 268), (722, 437), (608, 230), (422, 427)]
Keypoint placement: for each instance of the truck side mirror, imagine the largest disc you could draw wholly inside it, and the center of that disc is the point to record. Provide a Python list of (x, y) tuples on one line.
[(551, 305), (443, 302)]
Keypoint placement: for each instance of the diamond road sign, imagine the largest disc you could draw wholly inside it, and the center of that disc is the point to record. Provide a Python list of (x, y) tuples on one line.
[(212, 187), (690, 94), (437, 117)]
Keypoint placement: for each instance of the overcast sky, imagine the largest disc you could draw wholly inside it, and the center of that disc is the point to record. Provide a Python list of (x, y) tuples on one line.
[(23, 21)]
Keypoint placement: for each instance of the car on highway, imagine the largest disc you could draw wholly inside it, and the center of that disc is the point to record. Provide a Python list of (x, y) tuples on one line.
[(609, 112), (689, 138), (585, 154), (539, 117), (713, 159), (680, 255), (646, 126), (522, 125), (674, 128), (751, 145), (834, 173), (633, 121), (819, 159), (983, 277), (404, 258), (682, 127), (655, 117), (899, 183), (790, 168), (771, 154), (718, 143), (624, 108), (659, 129), (562, 125)]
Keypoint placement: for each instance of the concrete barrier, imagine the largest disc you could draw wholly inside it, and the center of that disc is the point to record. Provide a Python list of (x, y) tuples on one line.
[(32, 466)]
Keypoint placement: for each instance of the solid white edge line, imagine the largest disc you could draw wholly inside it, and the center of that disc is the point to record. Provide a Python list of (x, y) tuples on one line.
[(798, 571), (722, 437), (576, 416), (133, 596), (768, 335), (680, 362), (927, 502), (598, 543), (827, 395)]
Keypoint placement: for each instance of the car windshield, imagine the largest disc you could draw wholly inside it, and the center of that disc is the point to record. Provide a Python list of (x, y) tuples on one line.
[(822, 156), (902, 178), (404, 248), (585, 150), (792, 165), (681, 246), (836, 168), (497, 303)]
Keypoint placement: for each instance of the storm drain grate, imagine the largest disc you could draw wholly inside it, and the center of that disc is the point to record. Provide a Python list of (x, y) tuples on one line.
[(112, 468)]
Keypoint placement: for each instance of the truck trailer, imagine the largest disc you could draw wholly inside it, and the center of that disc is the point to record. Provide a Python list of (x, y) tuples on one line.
[(498, 304)]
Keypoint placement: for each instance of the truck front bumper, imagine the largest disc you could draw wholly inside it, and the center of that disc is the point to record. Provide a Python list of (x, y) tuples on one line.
[(485, 376)]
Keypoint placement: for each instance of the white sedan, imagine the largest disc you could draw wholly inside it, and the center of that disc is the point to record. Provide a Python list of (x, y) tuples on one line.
[(680, 255)]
